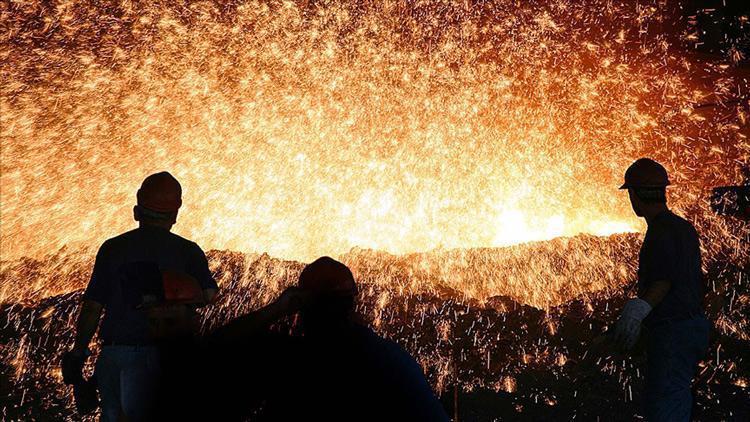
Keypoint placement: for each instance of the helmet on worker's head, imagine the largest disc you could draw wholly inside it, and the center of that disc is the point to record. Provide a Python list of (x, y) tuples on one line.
[(645, 173), (332, 295), (327, 276), (160, 193)]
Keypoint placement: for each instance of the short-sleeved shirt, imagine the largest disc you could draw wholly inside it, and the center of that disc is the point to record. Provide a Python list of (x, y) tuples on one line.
[(123, 323), (671, 252)]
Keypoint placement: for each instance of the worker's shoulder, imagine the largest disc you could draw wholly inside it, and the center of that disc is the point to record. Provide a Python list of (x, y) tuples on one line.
[(390, 353), (134, 238), (114, 243), (179, 239), (192, 246), (671, 223), (672, 230), (681, 224), (187, 245)]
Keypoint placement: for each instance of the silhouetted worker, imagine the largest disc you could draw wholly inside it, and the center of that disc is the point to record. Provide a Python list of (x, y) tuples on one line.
[(337, 370), (148, 282), (670, 295)]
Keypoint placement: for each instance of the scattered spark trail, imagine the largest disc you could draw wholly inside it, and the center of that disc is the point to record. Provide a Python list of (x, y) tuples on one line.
[(303, 130)]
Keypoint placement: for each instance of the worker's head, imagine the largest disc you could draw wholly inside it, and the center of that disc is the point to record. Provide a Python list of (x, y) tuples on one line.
[(646, 182), (332, 293), (158, 200)]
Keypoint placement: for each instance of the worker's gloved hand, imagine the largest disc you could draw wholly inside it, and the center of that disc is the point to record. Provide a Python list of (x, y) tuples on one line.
[(72, 367), (292, 300), (85, 396), (628, 327)]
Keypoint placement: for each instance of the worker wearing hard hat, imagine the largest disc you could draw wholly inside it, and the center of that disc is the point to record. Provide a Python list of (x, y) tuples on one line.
[(670, 295), (148, 281), (337, 370)]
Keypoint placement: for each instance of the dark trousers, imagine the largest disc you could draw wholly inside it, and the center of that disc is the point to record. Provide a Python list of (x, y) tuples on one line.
[(127, 378), (673, 352)]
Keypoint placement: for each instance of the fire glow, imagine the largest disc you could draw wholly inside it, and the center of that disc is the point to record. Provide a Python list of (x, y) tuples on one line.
[(305, 130)]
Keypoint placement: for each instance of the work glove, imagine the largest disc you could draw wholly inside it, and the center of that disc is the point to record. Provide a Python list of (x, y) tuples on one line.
[(72, 367), (85, 396), (628, 327), (84, 391)]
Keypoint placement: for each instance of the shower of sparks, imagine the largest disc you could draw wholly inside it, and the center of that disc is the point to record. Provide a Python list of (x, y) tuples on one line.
[(302, 130), (308, 128)]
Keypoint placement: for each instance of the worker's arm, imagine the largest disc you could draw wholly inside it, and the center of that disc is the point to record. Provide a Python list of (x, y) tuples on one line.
[(290, 301), (628, 327), (74, 360), (656, 292), (95, 295), (659, 262), (88, 321), (199, 269)]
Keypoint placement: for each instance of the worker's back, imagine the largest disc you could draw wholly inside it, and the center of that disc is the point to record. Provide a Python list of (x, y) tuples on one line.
[(671, 251), (135, 263), (124, 261), (352, 375)]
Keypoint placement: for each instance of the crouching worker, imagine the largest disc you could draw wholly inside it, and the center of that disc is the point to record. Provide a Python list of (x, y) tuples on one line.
[(148, 283), (334, 370), (670, 296)]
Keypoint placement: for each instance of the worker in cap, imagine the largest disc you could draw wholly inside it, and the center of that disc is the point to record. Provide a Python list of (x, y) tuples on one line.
[(331, 291), (328, 276), (335, 368), (149, 281), (668, 307), (159, 198)]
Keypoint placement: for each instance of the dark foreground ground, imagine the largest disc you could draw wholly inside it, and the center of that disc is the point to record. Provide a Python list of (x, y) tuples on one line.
[(490, 356)]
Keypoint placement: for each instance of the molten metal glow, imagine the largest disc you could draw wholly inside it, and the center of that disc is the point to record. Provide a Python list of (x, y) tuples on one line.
[(302, 130)]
